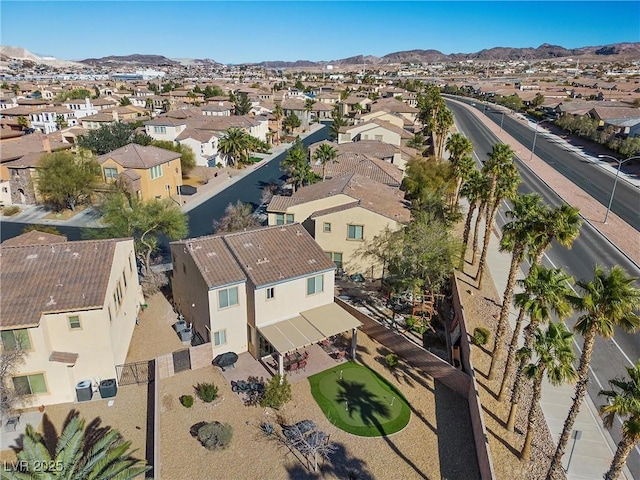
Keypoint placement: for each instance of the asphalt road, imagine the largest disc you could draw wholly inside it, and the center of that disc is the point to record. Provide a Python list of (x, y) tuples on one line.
[(591, 248)]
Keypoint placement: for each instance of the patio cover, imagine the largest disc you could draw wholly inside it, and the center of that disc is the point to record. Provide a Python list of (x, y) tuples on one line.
[(308, 328)]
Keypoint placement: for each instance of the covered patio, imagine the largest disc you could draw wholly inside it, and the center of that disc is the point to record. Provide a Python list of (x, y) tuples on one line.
[(310, 327)]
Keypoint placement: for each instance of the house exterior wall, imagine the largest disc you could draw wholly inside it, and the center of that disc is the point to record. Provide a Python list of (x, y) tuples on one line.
[(372, 132), (305, 210), (337, 241), (5, 192), (202, 150), (101, 343), (165, 186), (21, 186), (165, 132), (232, 319), (381, 115)]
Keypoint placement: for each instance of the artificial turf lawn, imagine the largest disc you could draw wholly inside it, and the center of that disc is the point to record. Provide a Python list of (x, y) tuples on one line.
[(365, 394)]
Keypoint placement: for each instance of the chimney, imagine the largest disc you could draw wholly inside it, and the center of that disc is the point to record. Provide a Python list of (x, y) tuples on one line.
[(87, 102), (115, 116), (46, 144)]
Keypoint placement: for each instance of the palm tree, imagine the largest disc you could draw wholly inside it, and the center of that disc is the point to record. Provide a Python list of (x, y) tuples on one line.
[(296, 165), (325, 153), (234, 146), (554, 355), (79, 454), (461, 170), (473, 189), (337, 123), (443, 122), (516, 238), (503, 185), (624, 400), (278, 113), (562, 225), (545, 292), (609, 301), (308, 107)]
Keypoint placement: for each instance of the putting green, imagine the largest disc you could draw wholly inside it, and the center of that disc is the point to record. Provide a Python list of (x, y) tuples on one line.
[(359, 401)]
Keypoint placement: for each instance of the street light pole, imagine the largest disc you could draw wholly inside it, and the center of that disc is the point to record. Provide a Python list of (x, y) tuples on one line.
[(535, 135), (501, 121), (615, 182)]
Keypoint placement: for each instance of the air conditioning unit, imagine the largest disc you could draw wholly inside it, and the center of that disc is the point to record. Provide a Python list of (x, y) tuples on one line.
[(84, 391), (108, 388)]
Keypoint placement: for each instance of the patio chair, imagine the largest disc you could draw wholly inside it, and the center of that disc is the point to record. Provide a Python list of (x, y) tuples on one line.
[(303, 365), (305, 355), (340, 354), (293, 367)]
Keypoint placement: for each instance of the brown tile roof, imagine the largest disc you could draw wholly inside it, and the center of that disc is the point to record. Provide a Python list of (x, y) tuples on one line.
[(273, 254), (364, 165), (19, 111), (214, 260), (338, 208), (280, 203), (28, 144), (34, 237), (392, 105), (30, 160), (199, 135), (50, 278), (63, 357), (138, 156)]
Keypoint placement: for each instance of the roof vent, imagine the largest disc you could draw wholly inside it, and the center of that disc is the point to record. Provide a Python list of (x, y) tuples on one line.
[(260, 261), (211, 254), (298, 232), (51, 301), (33, 256), (53, 249), (75, 255)]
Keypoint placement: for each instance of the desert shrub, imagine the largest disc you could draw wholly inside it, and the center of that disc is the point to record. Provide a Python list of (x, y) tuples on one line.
[(207, 392), (276, 394), (391, 360), (215, 435), (10, 210), (266, 428), (481, 336), (186, 401)]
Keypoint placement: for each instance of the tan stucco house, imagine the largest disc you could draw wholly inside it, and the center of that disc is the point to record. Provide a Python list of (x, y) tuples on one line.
[(72, 306), (342, 215), (148, 172), (268, 290)]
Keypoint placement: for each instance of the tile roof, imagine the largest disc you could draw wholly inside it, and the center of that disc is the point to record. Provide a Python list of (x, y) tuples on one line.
[(214, 260), (393, 105), (202, 136), (280, 203), (373, 168), (34, 237), (27, 144), (49, 278), (138, 156), (273, 254)]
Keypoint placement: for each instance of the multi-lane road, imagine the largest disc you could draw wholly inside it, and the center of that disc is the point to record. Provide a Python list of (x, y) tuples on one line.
[(591, 248)]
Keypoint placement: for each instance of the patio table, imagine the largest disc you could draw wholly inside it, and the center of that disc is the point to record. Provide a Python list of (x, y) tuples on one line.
[(294, 357)]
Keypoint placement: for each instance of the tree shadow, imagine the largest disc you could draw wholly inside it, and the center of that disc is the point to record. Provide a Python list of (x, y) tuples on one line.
[(496, 419), (488, 390), (340, 465), (505, 443)]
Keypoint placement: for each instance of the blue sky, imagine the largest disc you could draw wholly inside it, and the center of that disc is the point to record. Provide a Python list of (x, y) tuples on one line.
[(245, 31)]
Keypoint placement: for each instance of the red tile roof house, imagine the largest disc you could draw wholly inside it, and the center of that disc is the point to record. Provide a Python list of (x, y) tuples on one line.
[(73, 307), (265, 291)]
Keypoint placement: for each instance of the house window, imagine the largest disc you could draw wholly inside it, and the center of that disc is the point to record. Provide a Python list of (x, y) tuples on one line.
[(378, 137), (228, 297), (159, 129), (326, 227), (271, 293), (30, 384), (281, 217), (12, 339), (220, 337), (336, 258), (355, 232), (74, 322), (110, 173), (156, 172), (315, 285)]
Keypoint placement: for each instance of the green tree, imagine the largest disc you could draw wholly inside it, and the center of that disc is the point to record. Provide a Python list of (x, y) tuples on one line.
[(42, 228), (473, 190), (308, 107), (325, 154), (500, 168), (187, 159), (243, 104), (561, 224), (61, 122), (144, 221), (212, 91), (545, 292), (538, 100), (624, 401), (74, 94), (417, 142), (296, 165), (79, 454), (443, 122), (110, 137), (65, 181), (237, 217), (609, 301), (23, 122), (291, 122), (427, 180), (338, 121), (460, 149), (554, 355), (234, 146), (124, 101), (526, 213)]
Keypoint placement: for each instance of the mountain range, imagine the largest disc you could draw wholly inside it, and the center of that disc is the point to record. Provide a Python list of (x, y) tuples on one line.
[(618, 51)]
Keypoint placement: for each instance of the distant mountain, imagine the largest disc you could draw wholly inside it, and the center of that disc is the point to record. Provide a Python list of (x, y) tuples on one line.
[(133, 60), (8, 53)]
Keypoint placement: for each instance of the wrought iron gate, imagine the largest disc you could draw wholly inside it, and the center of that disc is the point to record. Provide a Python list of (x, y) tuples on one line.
[(138, 372)]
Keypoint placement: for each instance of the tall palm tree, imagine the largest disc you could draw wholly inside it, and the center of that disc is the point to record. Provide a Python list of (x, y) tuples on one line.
[(278, 113), (234, 146), (608, 301), (473, 189), (443, 122), (545, 292), (516, 238), (461, 171), (562, 225), (554, 355), (308, 107), (504, 185), (325, 153), (78, 455), (623, 400)]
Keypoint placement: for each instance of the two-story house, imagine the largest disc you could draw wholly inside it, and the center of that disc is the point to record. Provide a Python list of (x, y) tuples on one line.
[(148, 172), (72, 307), (50, 119), (342, 215), (268, 290), (375, 130)]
